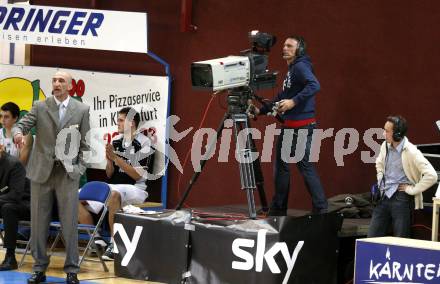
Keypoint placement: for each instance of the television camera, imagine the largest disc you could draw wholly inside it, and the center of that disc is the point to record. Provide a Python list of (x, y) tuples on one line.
[(241, 76), (248, 70)]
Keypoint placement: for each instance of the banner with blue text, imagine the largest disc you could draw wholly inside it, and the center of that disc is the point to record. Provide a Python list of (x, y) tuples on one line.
[(74, 27), (378, 260)]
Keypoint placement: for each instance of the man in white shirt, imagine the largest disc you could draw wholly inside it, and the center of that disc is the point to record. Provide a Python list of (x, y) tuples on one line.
[(128, 159), (403, 173)]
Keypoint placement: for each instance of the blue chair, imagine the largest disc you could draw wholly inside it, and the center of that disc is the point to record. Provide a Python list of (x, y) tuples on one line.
[(94, 191)]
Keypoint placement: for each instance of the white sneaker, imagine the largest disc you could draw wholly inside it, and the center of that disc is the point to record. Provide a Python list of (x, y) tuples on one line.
[(100, 243), (109, 254)]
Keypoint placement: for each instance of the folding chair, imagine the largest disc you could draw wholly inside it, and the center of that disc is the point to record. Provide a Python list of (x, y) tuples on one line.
[(24, 225), (94, 191)]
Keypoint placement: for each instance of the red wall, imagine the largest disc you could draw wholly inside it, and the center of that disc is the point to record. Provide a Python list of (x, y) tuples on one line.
[(373, 58)]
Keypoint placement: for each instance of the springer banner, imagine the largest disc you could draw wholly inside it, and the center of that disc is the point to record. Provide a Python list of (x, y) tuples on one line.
[(74, 27), (105, 93)]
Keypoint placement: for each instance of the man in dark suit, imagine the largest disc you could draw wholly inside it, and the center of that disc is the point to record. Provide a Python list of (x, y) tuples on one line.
[(14, 203), (61, 125)]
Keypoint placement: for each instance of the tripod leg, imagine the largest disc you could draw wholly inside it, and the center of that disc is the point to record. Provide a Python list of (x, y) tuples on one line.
[(258, 175), (202, 164), (247, 174), (251, 203)]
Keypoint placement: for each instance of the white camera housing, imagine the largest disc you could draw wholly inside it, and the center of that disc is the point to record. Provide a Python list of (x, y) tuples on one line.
[(221, 73)]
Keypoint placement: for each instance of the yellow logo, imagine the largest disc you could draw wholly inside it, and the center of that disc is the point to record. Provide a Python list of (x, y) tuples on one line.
[(20, 91)]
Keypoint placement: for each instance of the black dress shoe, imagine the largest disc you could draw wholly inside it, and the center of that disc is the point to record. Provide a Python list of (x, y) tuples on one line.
[(37, 277), (9, 263), (72, 279), (263, 211)]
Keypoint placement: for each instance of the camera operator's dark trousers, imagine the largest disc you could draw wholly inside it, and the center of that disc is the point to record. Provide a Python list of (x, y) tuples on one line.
[(306, 168), (12, 213)]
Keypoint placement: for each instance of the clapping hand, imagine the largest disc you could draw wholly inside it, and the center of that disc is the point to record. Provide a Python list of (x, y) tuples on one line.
[(110, 152)]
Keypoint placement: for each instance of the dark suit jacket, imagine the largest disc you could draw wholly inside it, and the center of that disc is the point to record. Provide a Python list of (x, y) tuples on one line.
[(13, 176)]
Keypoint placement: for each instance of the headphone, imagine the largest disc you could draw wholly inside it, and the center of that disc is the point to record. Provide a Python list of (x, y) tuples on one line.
[(399, 127), (302, 46)]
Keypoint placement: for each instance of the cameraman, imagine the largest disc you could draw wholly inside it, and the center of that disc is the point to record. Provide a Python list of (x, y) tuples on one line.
[(296, 106)]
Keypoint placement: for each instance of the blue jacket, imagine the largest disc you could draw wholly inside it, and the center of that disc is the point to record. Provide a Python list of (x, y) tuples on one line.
[(300, 85)]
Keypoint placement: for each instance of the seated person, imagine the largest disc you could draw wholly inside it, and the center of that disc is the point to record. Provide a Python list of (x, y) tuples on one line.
[(127, 160), (10, 113), (14, 203)]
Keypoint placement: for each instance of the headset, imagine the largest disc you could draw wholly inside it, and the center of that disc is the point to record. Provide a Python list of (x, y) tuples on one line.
[(399, 127), (302, 46)]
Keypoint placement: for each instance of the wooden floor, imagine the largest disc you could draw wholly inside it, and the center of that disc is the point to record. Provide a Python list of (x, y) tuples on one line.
[(90, 271)]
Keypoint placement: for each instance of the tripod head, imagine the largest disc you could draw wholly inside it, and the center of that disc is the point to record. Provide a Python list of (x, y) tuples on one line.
[(238, 100)]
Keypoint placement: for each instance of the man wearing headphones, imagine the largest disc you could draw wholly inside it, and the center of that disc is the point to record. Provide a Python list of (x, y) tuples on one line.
[(403, 173), (296, 106)]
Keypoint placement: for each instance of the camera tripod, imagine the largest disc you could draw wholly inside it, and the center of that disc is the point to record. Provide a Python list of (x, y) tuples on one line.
[(251, 175)]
